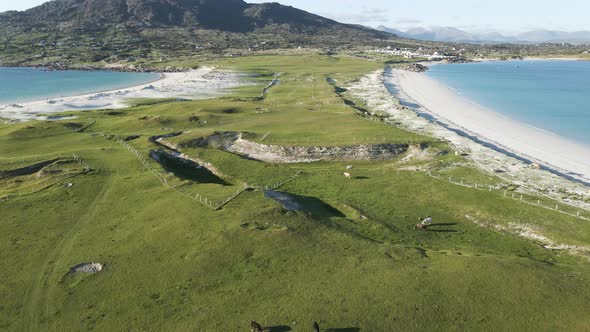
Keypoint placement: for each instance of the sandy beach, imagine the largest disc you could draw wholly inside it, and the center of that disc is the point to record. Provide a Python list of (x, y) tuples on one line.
[(529, 142), (503, 147), (200, 83)]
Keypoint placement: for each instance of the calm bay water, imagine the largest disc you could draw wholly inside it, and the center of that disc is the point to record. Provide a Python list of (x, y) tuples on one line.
[(26, 84), (550, 95)]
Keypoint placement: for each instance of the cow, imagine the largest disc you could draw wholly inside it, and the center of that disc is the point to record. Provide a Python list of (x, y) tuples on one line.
[(349, 167), (347, 175), (424, 223), (255, 327), (316, 327)]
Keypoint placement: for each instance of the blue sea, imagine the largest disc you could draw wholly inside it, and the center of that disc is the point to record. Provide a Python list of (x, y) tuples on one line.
[(550, 95), (27, 84)]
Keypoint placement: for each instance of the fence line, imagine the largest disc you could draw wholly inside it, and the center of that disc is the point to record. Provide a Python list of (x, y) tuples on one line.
[(231, 197), (516, 196), (265, 136), (58, 179), (198, 197), (269, 86), (275, 185), (92, 123)]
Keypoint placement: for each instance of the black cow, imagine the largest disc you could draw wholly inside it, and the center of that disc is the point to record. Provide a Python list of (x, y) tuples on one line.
[(316, 327), (255, 327)]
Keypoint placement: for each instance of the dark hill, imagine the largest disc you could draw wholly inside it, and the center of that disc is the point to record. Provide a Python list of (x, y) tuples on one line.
[(107, 29)]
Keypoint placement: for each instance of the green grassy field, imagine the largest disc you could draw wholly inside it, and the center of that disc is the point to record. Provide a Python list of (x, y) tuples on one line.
[(351, 261)]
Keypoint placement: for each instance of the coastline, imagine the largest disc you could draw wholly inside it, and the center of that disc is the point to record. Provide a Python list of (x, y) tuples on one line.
[(537, 145), (193, 84), (161, 76), (380, 94)]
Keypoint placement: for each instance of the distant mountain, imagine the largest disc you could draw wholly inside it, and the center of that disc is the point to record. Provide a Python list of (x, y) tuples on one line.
[(442, 34), (449, 34), (539, 36), (94, 30)]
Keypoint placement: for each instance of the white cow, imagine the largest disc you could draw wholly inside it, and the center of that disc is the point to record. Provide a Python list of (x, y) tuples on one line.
[(424, 223), (347, 175)]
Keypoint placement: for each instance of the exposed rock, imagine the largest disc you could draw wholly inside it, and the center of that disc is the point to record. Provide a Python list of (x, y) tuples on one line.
[(298, 154), (235, 143), (89, 268), (415, 67)]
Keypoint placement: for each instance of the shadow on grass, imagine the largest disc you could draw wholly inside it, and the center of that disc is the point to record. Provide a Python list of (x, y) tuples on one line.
[(430, 229), (185, 169), (345, 329), (282, 328), (313, 206)]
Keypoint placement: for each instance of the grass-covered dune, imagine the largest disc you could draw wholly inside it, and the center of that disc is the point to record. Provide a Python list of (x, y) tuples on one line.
[(350, 259)]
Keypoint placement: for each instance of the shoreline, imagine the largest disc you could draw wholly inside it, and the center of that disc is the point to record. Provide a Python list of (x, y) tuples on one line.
[(161, 76), (199, 83), (382, 96), (455, 111)]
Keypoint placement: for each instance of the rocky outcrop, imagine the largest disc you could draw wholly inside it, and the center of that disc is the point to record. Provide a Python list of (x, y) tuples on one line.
[(89, 268), (415, 67), (302, 154), (235, 143)]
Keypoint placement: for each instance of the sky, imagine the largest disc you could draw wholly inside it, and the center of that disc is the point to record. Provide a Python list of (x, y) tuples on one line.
[(469, 15)]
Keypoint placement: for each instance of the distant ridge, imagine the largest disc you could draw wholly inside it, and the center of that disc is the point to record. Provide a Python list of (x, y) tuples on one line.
[(450, 34)]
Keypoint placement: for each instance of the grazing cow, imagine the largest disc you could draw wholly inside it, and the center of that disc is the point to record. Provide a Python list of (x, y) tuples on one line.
[(347, 175), (316, 327), (255, 327), (349, 167), (424, 223), (421, 227)]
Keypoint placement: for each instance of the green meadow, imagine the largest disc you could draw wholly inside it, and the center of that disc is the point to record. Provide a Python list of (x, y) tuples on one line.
[(349, 259)]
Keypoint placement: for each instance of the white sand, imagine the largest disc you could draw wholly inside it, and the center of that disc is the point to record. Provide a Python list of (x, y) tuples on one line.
[(195, 84), (532, 143), (376, 90)]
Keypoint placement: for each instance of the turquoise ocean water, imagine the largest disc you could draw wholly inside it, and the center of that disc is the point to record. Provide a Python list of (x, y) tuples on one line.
[(26, 84), (550, 95)]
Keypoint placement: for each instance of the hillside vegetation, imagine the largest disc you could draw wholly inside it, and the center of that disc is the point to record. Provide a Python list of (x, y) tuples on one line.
[(73, 32), (348, 256)]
